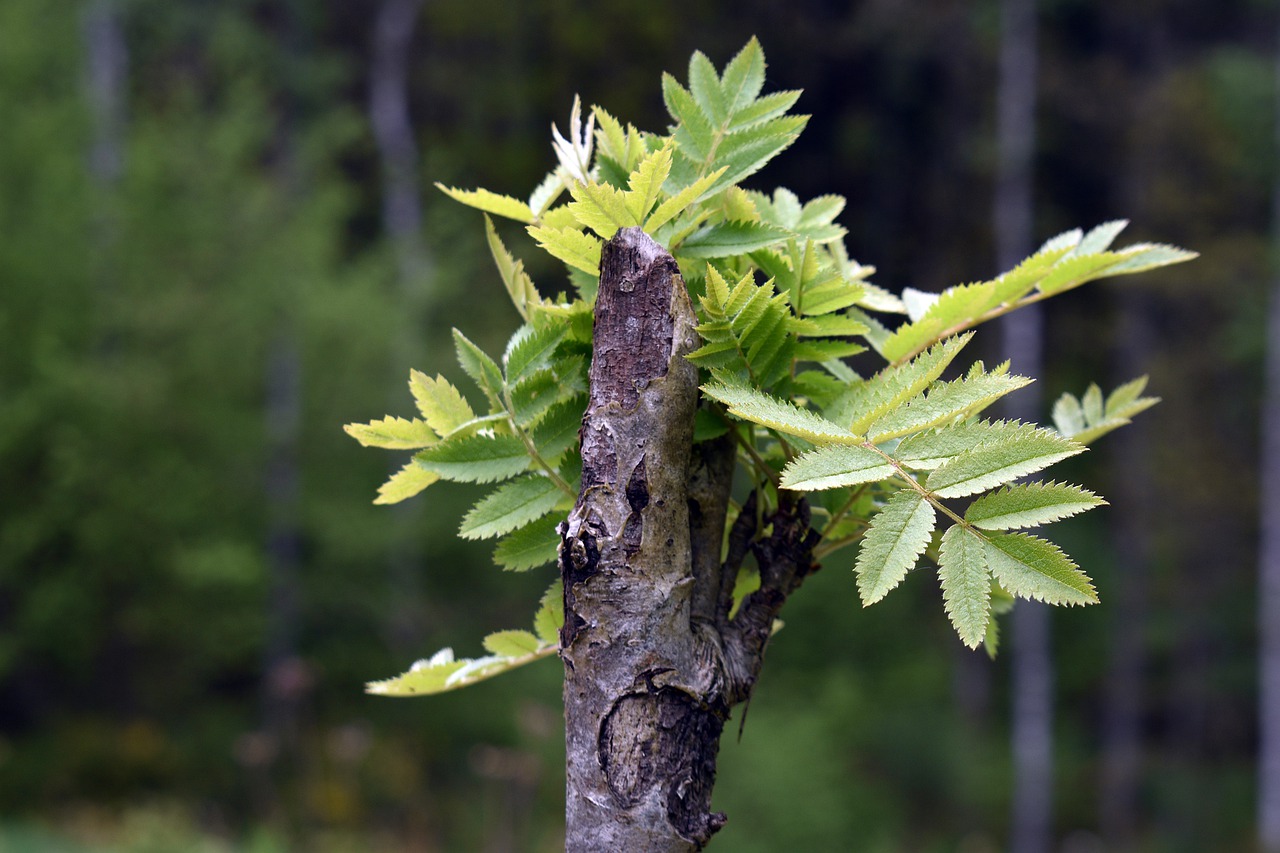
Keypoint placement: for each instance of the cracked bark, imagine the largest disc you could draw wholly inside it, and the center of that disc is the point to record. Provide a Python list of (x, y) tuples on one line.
[(653, 662)]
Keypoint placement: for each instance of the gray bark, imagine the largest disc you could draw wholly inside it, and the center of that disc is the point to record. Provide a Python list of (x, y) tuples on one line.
[(652, 661), (1269, 558), (1031, 659)]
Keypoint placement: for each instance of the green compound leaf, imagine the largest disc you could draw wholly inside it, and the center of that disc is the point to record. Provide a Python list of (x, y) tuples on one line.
[(944, 403), (392, 434), (1148, 256), (480, 367), (726, 124), (424, 677), (831, 295), (695, 134), (895, 540), (476, 458), (645, 183), (532, 398), (825, 350), (1031, 567), (1087, 418), (1075, 270), (531, 350), (928, 450), (507, 650), (726, 239), (678, 203), (531, 546), (441, 672), (765, 109), (405, 483), (550, 615), (510, 506), (834, 466), (1029, 505), (865, 403), (520, 287), (573, 247), (746, 329), (623, 147), (512, 644), (759, 407), (704, 85), (956, 308), (1025, 450), (439, 402), (744, 77), (490, 202), (813, 221), (1100, 237), (557, 431), (744, 152), (966, 583), (600, 207)]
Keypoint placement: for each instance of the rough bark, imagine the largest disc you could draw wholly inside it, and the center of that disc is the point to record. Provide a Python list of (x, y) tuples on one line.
[(653, 663)]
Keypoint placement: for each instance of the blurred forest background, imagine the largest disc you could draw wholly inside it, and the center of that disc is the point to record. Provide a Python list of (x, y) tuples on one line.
[(219, 242)]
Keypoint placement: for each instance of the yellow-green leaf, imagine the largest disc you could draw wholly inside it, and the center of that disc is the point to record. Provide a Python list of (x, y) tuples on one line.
[(393, 434), (405, 483), (491, 202), (573, 247), (440, 403)]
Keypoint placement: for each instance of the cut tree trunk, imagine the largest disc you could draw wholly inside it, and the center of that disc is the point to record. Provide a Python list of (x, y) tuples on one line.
[(653, 663)]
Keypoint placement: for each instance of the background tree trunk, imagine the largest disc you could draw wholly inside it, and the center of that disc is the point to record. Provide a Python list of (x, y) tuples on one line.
[(1269, 550), (1126, 647), (106, 92), (402, 221), (1031, 660), (285, 675), (1134, 528)]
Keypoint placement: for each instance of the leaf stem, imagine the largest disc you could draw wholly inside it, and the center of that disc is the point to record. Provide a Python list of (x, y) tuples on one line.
[(532, 449), (844, 510), (765, 470), (914, 484), (998, 311), (832, 545)]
